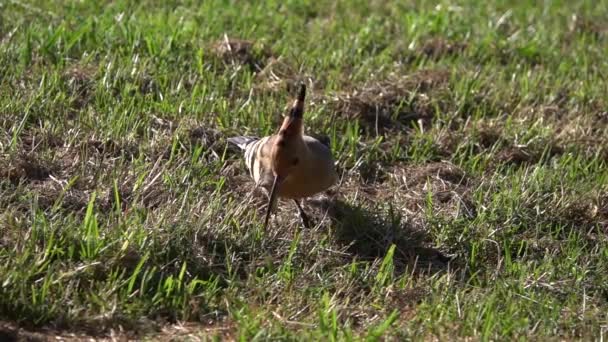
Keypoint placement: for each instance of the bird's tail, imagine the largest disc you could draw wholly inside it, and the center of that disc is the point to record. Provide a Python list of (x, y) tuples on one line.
[(242, 142)]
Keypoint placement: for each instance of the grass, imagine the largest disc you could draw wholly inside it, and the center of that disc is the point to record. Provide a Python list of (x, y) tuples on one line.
[(471, 139)]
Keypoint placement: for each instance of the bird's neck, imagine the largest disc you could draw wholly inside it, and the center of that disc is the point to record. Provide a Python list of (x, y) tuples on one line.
[(292, 132), (292, 128)]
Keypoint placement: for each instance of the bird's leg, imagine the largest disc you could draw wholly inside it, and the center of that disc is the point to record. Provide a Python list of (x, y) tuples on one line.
[(303, 216)]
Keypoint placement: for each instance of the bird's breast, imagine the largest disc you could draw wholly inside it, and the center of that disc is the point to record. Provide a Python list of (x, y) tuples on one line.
[(315, 174)]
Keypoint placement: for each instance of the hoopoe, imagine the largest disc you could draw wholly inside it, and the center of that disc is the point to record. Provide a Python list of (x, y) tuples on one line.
[(289, 164)]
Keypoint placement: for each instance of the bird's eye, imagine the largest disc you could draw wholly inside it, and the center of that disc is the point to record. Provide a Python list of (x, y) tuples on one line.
[(295, 161)]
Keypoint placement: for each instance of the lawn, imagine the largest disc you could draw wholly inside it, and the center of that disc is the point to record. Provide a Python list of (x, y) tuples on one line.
[(471, 139)]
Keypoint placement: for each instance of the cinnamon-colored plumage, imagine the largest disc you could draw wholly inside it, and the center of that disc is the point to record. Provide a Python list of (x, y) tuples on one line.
[(289, 164)]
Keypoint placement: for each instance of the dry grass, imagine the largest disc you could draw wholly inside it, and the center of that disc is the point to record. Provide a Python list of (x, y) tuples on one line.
[(235, 52), (392, 103)]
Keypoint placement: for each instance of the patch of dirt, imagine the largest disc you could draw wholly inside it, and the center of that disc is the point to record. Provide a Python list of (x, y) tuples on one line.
[(234, 51), (528, 154), (151, 194), (147, 84), (588, 211), (407, 298), (142, 83), (192, 133), (447, 142), (52, 192), (126, 84), (449, 186), (439, 171), (516, 155), (599, 211), (33, 141), (373, 165), (392, 104), (279, 76), (80, 82), (482, 136), (580, 214), (238, 179), (578, 128), (436, 48), (188, 131), (372, 173), (111, 148), (488, 134), (550, 111), (28, 167), (47, 174), (596, 27), (10, 331), (585, 130), (160, 124), (199, 134)]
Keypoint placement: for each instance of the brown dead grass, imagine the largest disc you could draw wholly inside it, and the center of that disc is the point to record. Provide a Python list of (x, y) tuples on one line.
[(588, 211), (484, 136), (488, 136), (280, 76), (10, 331), (583, 128), (199, 133), (389, 104), (80, 82), (46, 174), (584, 215), (51, 193), (406, 300), (432, 48), (528, 155), (596, 27), (393, 103), (449, 186), (25, 167), (108, 148), (34, 141), (64, 175), (436, 48), (370, 173), (236, 52)]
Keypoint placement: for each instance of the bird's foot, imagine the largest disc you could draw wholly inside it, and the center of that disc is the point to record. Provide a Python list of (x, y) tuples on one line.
[(306, 222)]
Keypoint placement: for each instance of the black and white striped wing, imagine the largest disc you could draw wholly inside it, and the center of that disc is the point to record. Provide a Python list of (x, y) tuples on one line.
[(255, 150)]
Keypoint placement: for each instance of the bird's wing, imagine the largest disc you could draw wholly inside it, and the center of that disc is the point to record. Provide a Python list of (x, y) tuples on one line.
[(323, 139), (243, 141), (257, 153)]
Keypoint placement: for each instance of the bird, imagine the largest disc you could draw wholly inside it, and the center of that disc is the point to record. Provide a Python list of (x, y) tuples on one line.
[(289, 164)]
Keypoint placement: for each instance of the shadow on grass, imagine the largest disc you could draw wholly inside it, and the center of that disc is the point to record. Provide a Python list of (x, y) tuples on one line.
[(369, 235)]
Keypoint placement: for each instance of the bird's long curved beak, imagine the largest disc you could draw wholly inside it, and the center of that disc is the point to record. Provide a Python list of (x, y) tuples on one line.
[(273, 193)]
